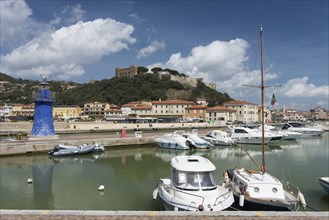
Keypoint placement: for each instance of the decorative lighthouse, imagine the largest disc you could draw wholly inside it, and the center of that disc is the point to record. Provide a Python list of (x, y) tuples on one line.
[(43, 124)]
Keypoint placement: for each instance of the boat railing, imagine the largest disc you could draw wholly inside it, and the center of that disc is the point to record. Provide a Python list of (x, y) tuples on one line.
[(180, 191), (225, 196), (290, 188)]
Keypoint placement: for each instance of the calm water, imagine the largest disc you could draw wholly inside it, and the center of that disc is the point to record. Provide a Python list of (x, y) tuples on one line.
[(130, 175)]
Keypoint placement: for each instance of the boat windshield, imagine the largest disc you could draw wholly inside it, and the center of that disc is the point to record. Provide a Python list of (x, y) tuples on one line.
[(194, 180)]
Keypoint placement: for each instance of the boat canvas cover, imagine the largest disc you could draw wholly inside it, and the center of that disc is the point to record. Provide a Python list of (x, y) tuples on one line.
[(264, 182), (192, 164)]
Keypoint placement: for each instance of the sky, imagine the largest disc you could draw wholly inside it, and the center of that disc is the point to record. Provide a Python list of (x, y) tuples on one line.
[(218, 41)]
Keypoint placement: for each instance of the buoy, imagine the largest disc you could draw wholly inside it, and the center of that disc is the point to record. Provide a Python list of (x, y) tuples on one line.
[(101, 188), (301, 199), (155, 194), (241, 200), (29, 181)]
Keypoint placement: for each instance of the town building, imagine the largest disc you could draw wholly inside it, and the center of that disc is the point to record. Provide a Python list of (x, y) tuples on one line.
[(319, 113), (23, 110), (66, 112), (267, 114), (95, 109), (245, 111), (170, 108), (220, 115), (195, 113), (201, 101)]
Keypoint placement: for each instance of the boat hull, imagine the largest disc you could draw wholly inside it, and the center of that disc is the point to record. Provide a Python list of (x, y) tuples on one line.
[(259, 205), (324, 182)]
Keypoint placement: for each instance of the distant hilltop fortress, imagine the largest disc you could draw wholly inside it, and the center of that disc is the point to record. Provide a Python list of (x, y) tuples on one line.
[(133, 71)]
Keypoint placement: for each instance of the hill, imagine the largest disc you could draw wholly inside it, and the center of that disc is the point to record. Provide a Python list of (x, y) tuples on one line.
[(147, 87)]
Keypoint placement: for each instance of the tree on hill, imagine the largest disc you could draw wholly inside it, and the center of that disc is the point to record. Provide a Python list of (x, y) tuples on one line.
[(156, 69), (142, 69)]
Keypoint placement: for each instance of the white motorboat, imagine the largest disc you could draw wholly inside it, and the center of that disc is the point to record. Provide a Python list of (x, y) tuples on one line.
[(286, 134), (175, 141), (199, 143), (218, 137), (244, 135), (257, 189), (193, 187), (301, 128), (324, 182)]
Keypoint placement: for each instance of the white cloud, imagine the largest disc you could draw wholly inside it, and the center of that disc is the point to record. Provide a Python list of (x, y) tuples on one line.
[(153, 47), (65, 50), (298, 87), (14, 18), (215, 62)]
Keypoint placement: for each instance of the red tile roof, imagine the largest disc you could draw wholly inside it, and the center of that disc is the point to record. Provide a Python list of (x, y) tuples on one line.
[(141, 107), (220, 108), (197, 107), (238, 102), (173, 102)]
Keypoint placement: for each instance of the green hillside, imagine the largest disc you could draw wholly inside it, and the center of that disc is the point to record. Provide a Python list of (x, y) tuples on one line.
[(147, 87)]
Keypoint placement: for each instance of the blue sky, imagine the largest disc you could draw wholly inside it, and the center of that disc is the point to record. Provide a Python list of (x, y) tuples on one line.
[(215, 40)]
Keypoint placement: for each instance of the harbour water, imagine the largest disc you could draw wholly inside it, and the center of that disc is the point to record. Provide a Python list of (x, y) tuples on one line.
[(130, 174)]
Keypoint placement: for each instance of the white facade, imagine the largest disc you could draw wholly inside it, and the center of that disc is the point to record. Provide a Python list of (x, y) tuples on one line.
[(170, 108), (245, 111)]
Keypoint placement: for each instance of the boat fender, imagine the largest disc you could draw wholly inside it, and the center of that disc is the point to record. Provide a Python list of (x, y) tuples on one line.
[(301, 199), (226, 179), (200, 208), (241, 200), (101, 188), (29, 181), (155, 193)]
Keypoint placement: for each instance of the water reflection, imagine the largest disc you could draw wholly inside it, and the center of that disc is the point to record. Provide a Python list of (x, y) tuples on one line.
[(42, 185), (130, 174)]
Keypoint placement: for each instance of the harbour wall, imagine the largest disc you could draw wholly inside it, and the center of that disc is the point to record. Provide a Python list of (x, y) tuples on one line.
[(76, 127), (168, 215), (44, 145)]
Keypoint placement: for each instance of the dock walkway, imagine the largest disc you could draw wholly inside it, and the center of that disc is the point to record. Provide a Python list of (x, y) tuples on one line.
[(159, 215)]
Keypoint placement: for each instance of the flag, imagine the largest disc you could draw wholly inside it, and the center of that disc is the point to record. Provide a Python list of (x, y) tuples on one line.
[(273, 99)]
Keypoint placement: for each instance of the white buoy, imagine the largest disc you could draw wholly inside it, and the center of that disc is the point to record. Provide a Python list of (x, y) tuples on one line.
[(101, 188), (155, 194), (301, 199), (29, 180), (241, 200)]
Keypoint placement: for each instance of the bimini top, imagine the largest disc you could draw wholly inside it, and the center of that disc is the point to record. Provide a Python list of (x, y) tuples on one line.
[(192, 164)]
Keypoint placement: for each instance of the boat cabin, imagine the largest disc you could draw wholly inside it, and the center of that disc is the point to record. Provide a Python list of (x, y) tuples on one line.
[(258, 185), (193, 173)]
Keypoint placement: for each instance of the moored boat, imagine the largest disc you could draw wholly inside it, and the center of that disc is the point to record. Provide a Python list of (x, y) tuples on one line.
[(218, 137), (69, 150), (199, 143), (193, 187), (301, 128), (244, 135), (175, 140), (257, 189), (324, 182)]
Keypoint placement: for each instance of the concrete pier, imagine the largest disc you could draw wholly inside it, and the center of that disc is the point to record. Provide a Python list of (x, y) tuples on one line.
[(167, 215)]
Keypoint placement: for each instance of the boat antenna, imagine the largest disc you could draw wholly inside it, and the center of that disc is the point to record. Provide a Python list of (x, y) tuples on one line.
[(262, 89)]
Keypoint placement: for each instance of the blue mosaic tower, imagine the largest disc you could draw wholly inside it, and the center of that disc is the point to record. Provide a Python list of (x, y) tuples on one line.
[(43, 123)]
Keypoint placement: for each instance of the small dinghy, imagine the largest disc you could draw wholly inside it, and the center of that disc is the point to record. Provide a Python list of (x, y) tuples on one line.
[(69, 150)]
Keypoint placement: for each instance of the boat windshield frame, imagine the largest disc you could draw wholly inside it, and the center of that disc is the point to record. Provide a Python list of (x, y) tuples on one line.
[(194, 181)]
